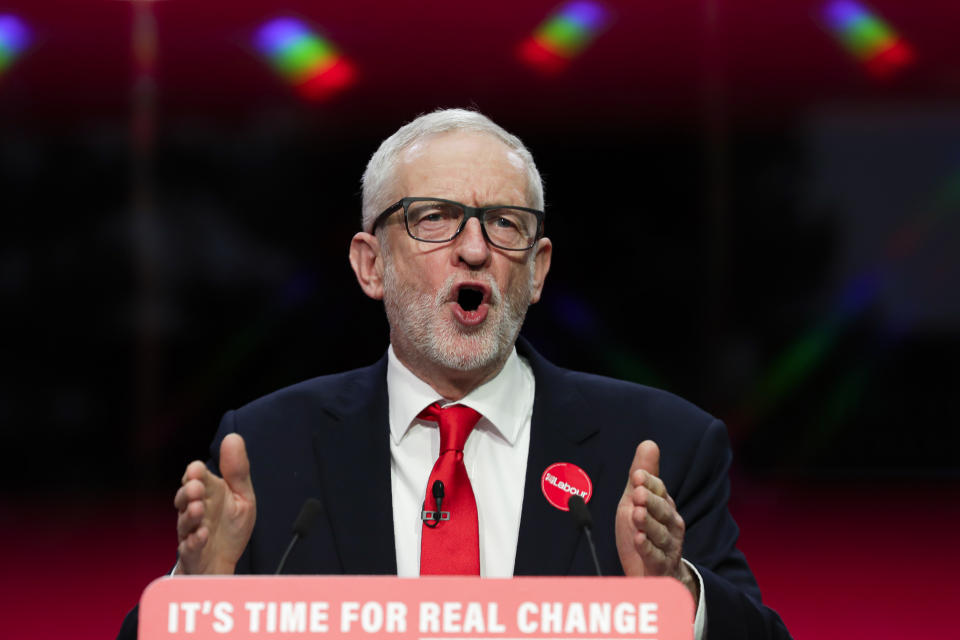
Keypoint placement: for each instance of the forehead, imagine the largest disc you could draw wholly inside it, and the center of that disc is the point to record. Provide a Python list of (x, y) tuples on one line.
[(473, 168)]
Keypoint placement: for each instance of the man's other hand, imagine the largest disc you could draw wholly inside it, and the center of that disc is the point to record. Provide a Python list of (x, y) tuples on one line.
[(649, 528), (216, 515)]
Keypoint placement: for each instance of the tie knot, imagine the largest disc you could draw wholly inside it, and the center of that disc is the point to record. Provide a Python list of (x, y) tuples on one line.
[(456, 422)]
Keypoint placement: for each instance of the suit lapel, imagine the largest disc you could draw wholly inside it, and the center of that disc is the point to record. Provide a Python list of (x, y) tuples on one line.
[(353, 455), (559, 428)]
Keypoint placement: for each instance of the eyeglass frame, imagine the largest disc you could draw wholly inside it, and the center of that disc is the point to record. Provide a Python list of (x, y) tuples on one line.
[(468, 212)]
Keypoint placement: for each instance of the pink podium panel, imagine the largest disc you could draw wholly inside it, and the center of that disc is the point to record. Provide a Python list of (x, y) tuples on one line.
[(433, 608)]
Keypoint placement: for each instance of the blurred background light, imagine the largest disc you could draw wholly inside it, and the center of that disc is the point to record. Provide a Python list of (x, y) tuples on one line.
[(14, 38), (306, 60), (799, 361), (564, 35), (780, 188), (868, 37)]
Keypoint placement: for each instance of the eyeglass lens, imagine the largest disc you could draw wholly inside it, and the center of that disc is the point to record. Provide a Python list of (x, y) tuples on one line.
[(438, 222)]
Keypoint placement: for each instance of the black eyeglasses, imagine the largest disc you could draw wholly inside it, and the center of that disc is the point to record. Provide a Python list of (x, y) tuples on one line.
[(439, 220)]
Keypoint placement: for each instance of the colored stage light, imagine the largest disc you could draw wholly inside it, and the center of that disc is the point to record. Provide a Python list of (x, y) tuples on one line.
[(308, 61), (564, 35), (800, 360), (14, 38), (865, 35)]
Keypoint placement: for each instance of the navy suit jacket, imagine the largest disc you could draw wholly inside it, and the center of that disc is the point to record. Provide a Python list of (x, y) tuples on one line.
[(329, 438)]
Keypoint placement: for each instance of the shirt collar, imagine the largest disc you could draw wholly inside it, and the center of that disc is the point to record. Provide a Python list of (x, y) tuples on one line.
[(504, 400)]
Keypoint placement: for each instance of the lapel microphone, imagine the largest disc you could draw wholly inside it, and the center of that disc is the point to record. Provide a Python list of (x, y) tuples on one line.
[(437, 516), (437, 491), (301, 527), (584, 521)]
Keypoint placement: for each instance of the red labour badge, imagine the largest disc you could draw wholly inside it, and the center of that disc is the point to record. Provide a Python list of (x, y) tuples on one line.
[(562, 480)]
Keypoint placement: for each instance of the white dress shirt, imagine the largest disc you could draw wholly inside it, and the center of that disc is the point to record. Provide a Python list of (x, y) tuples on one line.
[(495, 456)]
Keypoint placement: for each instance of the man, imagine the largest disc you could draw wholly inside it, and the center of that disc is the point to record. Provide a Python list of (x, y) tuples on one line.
[(452, 242)]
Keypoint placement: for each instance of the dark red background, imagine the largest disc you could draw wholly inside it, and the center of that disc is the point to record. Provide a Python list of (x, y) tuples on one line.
[(739, 158)]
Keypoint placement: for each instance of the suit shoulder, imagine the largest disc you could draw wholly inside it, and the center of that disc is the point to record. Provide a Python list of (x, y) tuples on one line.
[(324, 393), (629, 413)]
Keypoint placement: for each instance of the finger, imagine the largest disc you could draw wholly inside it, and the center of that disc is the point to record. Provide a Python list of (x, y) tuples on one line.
[(641, 478), (655, 485), (193, 544), (235, 466), (638, 518), (649, 487), (657, 532), (646, 463), (190, 519), (180, 500), (655, 561), (664, 511), (640, 494), (665, 516), (196, 470), (192, 490), (647, 457)]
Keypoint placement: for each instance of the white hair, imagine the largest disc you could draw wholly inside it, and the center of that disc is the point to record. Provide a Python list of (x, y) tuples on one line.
[(378, 179)]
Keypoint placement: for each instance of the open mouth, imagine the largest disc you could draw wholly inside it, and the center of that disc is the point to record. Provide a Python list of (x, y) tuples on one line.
[(471, 303), (469, 298)]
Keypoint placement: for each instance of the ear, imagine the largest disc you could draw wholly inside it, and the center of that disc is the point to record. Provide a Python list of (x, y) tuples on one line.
[(367, 263), (544, 250)]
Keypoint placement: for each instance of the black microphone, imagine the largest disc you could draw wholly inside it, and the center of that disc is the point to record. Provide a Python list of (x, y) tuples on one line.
[(301, 527), (437, 491), (584, 521), (438, 494)]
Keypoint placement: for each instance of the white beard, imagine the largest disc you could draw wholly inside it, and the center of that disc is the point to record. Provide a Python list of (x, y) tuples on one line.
[(423, 321)]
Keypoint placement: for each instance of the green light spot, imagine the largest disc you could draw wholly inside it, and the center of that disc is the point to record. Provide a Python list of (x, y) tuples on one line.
[(795, 365), (867, 36), (563, 36), (303, 55), (6, 57), (838, 410)]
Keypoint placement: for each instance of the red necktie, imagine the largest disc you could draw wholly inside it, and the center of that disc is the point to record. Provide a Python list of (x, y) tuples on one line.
[(451, 546)]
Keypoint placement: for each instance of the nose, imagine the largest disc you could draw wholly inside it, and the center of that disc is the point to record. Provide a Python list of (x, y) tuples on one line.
[(471, 247)]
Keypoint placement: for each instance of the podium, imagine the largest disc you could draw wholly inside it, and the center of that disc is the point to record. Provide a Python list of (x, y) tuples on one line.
[(427, 608)]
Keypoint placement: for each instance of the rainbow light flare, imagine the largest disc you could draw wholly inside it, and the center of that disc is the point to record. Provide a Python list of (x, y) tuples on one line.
[(14, 38), (867, 37), (799, 361), (306, 60), (564, 35)]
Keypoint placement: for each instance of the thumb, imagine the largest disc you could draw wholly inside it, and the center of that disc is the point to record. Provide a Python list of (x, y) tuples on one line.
[(647, 458), (234, 465)]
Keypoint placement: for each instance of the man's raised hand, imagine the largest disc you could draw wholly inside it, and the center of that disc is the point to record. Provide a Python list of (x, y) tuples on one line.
[(216, 515), (649, 529)]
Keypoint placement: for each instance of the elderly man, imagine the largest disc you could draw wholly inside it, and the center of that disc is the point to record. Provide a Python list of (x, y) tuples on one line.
[(431, 460)]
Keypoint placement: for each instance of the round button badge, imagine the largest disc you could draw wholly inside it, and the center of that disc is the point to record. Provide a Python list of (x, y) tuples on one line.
[(562, 480)]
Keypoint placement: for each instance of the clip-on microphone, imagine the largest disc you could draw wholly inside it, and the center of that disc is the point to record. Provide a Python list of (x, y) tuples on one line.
[(438, 515)]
